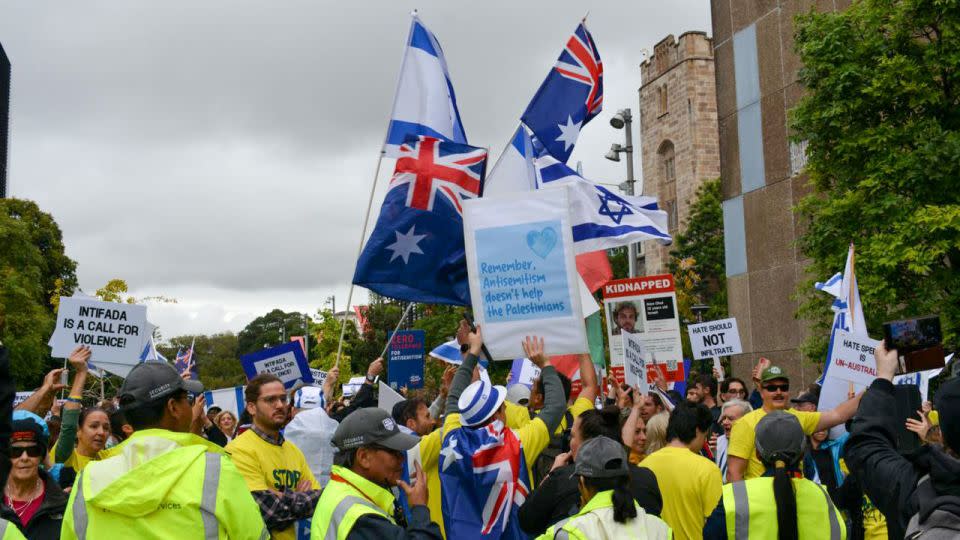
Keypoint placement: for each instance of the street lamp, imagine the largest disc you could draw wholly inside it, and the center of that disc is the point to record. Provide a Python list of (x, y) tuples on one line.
[(624, 120)]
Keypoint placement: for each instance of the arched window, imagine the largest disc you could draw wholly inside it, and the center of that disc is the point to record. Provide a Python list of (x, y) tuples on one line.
[(668, 183)]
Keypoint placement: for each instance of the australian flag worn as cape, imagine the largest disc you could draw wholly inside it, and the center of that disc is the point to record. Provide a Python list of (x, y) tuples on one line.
[(416, 251), (484, 478)]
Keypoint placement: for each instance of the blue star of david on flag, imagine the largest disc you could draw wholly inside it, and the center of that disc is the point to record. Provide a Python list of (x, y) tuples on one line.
[(606, 197)]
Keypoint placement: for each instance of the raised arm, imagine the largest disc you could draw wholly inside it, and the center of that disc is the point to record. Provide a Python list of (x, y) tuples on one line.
[(588, 378), (554, 402), (839, 414), (464, 374)]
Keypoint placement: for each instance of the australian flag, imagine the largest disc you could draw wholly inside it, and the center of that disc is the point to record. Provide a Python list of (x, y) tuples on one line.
[(484, 478), (185, 361), (570, 96), (416, 251)]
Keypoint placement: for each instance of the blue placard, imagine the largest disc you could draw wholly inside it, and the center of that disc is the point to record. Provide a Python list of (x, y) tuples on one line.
[(286, 361), (405, 359)]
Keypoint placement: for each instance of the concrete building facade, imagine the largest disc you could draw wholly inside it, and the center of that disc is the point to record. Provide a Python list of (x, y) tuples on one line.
[(678, 131), (762, 172)]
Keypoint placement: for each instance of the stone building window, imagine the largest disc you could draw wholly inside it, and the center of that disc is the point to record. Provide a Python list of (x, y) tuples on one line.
[(662, 100), (667, 191)]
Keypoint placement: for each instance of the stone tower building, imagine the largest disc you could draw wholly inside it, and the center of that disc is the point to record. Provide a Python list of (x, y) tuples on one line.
[(678, 131)]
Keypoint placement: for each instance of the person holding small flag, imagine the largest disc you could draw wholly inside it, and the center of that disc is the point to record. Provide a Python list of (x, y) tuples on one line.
[(484, 465)]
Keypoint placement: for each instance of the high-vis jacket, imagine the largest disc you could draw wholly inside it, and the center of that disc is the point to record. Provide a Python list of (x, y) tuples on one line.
[(345, 498), (751, 510), (9, 531), (595, 522), (162, 484)]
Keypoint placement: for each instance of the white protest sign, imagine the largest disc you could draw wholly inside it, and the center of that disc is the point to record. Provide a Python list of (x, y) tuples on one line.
[(319, 376), (388, 397), (20, 397), (852, 358), (920, 379), (522, 273), (715, 338), (635, 363), (353, 385), (114, 332), (647, 307)]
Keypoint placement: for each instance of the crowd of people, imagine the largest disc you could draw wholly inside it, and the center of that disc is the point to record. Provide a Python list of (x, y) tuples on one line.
[(725, 460)]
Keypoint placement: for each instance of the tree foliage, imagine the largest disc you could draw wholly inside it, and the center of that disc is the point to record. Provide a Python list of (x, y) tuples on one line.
[(881, 118), (33, 266), (216, 356), (270, 330)]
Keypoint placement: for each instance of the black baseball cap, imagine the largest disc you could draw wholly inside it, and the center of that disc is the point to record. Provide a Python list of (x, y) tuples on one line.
[(806, 397), (779, 436), (371, 426), (601, 457), (149, 382)]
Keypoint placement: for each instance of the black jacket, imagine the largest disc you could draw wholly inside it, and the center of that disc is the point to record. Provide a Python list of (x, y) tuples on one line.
[(888, 478), (375, 527), (45, 524), (559, 498)]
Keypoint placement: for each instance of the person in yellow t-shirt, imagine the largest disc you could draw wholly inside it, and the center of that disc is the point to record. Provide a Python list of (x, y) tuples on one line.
[(742, 460), (275, 470), (690, 484)]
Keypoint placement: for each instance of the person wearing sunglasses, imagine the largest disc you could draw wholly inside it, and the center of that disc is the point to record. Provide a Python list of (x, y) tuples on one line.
[(742, 460), (32, 499)]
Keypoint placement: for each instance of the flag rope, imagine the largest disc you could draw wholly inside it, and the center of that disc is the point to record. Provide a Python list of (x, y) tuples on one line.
[(395, 330)]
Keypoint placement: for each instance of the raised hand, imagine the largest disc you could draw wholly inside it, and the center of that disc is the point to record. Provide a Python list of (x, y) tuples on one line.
[(533, 348), (79, 357)]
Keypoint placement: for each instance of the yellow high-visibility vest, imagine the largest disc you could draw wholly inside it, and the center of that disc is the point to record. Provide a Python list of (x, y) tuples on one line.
[(751, 510)]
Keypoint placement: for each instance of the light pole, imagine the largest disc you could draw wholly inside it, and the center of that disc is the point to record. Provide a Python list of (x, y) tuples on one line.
[(624, 120)]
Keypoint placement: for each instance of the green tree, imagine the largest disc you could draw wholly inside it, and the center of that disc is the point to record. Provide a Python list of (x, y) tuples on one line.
[(882, 126), (33, 266), (270, 330), (58, 272)]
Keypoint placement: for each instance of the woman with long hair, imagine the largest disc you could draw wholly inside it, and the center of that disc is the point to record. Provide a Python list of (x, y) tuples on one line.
[(782, 504), (607, 508), (32, 499)]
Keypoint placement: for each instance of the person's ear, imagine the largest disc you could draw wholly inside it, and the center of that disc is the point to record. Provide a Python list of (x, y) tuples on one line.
[(251, 408)]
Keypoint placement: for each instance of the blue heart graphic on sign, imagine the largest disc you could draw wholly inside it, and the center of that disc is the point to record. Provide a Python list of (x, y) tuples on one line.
[(542, 242)]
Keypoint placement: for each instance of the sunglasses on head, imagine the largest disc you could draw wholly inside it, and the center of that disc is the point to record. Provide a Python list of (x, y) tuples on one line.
[(783, 387), (31, 451)]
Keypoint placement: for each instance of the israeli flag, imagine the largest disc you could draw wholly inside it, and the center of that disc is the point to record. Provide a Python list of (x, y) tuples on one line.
[(514, 171), (228, 399), (150, 352), (449, 352), (425, 103)]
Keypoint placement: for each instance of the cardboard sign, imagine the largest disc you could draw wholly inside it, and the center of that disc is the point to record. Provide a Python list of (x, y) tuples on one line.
[(646, 307), (714, 339), (286, 361), (405, 359), (115, 332), (522, 273)]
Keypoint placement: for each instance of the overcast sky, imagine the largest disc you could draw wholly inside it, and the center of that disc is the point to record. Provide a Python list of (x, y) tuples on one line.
[(222, 152)]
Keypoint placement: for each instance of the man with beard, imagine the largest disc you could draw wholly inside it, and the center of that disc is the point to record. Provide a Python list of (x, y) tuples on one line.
[(275, 470)]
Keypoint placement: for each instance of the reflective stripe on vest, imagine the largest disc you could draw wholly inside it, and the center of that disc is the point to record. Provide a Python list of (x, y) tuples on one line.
[(340, 512), (208, 501), (751, 512), (741, 524), (80, 511), (3, 527)]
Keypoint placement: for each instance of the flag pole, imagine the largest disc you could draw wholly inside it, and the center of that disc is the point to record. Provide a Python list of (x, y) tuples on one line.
[(395, 330), (373, 188)]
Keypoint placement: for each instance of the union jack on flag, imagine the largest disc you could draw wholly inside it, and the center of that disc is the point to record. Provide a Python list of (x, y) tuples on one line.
[(184, 362), (570, 96), (416, 251), (431, 170), (484, 480)]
